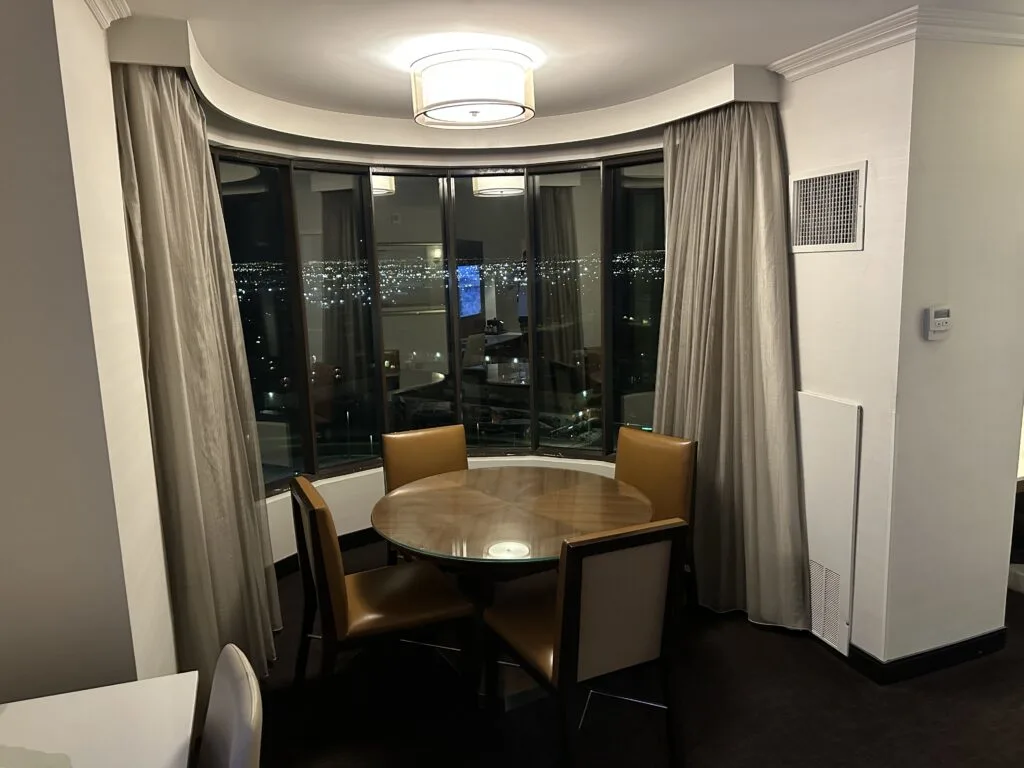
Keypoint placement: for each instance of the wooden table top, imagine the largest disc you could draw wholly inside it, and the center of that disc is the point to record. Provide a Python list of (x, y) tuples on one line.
[(505, 513)]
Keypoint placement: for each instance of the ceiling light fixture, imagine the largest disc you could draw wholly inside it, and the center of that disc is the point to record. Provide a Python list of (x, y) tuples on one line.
[(498, 186), (473, 88), (382, 185)]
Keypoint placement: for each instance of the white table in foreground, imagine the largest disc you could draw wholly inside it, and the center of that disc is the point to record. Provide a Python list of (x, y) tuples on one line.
[(144, 724)]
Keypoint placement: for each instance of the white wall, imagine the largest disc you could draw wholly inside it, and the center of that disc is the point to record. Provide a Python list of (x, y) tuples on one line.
[(848, 303), (959, 400), (64, 618), (89, 106), (351, 497)]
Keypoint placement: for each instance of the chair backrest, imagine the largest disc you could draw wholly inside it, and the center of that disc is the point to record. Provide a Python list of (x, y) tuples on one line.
[(661, 468), (234, 717), (613, 589), (320, 563), (420, 453)]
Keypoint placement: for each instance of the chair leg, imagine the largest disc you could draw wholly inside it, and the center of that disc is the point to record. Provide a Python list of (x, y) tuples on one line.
[(491, 672), (330, 655), (469, 667), (308, 617), (569, 712), (673, 734)]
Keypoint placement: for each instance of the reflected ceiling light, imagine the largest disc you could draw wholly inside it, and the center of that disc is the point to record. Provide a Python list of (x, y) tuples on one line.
[(330, 182), (498, 186), (644, 176), (232, 173), (382, 185), (508, 550), (473, 88)]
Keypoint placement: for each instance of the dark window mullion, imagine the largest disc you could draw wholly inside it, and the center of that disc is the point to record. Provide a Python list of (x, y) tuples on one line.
[(376, 321), (452, 293), (532, 287), (301, 361), (607, 305)]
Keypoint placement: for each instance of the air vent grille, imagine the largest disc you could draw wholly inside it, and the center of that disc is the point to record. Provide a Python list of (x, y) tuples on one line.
[(826, 604), (830, 632), (817, 598), (828, 210)]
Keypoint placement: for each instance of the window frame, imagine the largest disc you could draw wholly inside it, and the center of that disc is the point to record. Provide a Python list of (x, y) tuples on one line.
[(446, 176)]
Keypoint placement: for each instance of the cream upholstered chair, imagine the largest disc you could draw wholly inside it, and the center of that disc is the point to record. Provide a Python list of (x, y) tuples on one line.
[(662, 468), (234, 717), (610, 611), (419, 453), (363, 605)]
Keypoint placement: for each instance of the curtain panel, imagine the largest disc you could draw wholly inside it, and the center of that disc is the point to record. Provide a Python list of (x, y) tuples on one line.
[(209, 476), (561, 331), (725, 362)]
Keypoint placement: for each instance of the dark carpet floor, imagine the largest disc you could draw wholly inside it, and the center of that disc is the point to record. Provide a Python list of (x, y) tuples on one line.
[(748, 697)]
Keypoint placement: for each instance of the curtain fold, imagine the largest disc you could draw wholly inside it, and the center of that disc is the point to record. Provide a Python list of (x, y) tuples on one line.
[(209, 476), (725, 361), (561, 337), (345, 323)]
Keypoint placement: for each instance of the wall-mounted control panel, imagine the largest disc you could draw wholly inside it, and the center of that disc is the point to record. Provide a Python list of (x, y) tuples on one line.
[(937, 323)]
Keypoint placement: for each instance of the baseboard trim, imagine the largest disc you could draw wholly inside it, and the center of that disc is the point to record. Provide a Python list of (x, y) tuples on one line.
[(897, 670), (290, 564)]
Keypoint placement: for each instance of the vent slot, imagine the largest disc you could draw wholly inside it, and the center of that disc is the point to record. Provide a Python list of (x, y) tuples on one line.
[(817, 598), (828, 209), (831, 631)]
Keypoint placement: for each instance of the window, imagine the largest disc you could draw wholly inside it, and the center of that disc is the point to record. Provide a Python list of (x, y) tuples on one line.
[(568, 291), (524, 304), (637, 279), (254, 216), (490, 259), (414, 303), (338, 300)]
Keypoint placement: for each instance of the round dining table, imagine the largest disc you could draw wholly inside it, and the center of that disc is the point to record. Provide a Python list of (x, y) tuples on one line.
[(515, 517)]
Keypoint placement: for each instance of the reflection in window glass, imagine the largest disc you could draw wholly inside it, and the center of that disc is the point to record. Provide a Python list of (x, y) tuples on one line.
[(638, 278), (569, 352), (413, 287), (490, 253), (254, 219), (338, 294)]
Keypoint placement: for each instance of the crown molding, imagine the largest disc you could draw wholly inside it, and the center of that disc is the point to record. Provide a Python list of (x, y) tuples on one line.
[(912, 24), (877, 36), (108, 11)]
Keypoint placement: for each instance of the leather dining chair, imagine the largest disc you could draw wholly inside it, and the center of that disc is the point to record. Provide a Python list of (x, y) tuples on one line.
[(358, 606), (419, 453), (662, 468), (234, 717), (610, 611)]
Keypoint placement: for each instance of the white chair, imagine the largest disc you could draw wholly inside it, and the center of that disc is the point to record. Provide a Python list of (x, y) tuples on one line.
[(234, 718)]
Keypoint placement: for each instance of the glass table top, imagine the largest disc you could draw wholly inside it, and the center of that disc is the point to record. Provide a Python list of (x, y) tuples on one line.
[(505, 513)]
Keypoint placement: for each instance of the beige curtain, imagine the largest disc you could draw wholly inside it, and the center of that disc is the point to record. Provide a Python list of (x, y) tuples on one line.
[(561, 334), (216, 537), (725, 363)]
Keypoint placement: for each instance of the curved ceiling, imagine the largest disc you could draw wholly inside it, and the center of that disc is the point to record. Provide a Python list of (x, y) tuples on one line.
[(339, 57)]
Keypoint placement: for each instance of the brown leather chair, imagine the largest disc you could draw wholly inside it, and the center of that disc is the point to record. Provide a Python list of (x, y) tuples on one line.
[(610, 611), (661, 468), (419, 453), (361, 605)]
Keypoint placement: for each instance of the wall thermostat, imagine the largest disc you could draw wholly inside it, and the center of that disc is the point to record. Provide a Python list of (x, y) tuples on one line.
[(937, 323)]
